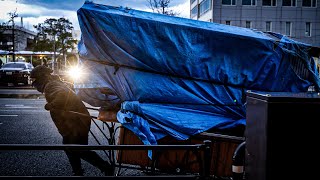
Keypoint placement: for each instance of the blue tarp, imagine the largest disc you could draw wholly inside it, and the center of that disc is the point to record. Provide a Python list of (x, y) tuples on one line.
[(180, 77)]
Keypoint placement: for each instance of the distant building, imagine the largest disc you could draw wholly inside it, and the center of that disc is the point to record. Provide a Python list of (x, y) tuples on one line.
[(23, 51), (298, 19), (76, 34), (23, 38)]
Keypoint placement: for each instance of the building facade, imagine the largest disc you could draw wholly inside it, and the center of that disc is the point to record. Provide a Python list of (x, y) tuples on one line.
[(298, 19), (23, 38)]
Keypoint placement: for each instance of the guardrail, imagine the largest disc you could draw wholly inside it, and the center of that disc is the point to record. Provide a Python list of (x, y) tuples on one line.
[(203, 151)]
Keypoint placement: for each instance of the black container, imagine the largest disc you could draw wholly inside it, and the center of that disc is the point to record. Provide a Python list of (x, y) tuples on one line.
[(282, 135)]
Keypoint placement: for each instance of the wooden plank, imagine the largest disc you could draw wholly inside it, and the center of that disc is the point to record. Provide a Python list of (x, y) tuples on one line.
[(108, 116), (185, 161)]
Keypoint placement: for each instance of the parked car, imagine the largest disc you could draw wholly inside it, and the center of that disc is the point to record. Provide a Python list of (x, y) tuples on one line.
[(16, 72)]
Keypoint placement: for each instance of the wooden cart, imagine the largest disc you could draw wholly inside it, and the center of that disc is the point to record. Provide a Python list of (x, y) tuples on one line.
[(177, 161)]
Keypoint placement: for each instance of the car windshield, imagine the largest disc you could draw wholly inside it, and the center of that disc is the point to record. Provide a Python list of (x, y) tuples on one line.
[(13, 65)]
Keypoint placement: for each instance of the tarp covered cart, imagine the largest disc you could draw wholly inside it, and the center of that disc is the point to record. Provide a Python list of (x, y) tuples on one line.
[(171, 80), (183, 161)]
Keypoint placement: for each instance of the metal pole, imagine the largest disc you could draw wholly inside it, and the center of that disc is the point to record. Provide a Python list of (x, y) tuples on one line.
[(96, 147), (54, 55), (13, 44), (13, 38), (207, 159)]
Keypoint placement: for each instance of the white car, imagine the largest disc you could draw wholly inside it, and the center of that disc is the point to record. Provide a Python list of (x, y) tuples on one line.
[(16, 72)]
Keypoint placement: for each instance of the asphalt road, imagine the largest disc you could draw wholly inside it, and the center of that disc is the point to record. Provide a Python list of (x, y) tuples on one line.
[(21, 91), (24, 121)]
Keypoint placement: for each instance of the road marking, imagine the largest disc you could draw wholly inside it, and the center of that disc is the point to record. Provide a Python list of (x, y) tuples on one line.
[(22, 107), (12, 115), (17, 106), (23, 110)]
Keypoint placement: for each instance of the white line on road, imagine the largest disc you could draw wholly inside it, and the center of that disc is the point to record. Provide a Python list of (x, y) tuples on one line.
[(21, 107), (14, 105), (23, 110), (17, 106), (14, 115)]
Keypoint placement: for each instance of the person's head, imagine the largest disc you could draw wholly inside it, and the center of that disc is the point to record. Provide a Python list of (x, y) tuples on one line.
[(40, 76)]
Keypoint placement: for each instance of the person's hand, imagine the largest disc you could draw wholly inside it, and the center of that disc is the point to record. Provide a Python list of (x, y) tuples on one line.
[(48, 106)]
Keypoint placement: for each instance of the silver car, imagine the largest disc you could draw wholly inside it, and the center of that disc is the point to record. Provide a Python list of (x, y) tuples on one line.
[(16, 72)]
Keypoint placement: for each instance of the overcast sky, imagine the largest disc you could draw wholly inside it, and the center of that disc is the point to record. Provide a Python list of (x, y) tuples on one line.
[(37, 11)]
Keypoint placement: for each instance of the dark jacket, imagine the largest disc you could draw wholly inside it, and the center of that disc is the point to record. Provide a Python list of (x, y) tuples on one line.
[(62, 99)]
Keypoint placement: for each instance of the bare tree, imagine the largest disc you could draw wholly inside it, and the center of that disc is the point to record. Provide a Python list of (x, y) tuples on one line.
[(13, 39), (162, 7)]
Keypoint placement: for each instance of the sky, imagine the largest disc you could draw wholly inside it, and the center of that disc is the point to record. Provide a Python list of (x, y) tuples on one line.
[(37, 11)]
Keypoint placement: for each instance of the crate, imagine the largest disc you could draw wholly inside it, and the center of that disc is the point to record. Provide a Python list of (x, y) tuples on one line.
[(181, 161)]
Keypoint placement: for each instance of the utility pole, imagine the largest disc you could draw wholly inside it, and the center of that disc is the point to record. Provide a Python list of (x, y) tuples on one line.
[(12, 16), (54, 55)]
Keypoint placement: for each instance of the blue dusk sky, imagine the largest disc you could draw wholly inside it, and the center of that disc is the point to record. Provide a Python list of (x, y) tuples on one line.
[(37, 11)]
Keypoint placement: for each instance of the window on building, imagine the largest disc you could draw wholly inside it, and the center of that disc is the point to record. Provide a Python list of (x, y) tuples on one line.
[(268, 26), (228, 22), (205, 6), (228, 2), (269, 2), (308, 29), (309, 3), (288, 28), (194, 11), (249, 2), (248, 24), (288, 2), (192, 1)]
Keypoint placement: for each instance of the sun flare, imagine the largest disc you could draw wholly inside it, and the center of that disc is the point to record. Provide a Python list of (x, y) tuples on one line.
[(75, 72)]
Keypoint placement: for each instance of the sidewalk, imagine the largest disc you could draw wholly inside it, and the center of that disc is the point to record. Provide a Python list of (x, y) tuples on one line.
[(19, 92)]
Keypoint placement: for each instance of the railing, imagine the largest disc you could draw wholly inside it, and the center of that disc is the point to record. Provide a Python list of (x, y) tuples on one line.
[(203, 151)]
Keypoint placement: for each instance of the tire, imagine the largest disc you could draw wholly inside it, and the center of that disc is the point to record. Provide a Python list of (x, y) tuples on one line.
[(27, 81)]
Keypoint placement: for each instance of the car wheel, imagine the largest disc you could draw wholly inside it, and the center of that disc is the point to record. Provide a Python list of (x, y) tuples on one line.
[(26, 81)]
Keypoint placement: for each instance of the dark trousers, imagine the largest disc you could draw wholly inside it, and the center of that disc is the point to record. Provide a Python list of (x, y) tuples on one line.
[(91, 157)]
